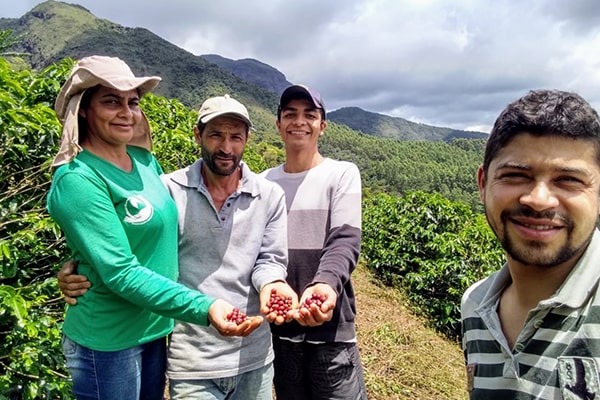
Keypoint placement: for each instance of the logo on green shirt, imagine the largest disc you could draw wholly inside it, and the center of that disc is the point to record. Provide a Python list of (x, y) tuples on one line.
[(138, 210)]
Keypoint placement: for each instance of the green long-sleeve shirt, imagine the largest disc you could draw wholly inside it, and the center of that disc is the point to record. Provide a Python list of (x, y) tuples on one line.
[(122, 229)]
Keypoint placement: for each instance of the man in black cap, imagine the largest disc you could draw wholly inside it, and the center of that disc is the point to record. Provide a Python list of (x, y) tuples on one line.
[(316, 355)]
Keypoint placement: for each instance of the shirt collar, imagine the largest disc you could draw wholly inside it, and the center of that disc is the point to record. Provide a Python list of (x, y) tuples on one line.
[(192, 178), (580, 284), (582, 281)]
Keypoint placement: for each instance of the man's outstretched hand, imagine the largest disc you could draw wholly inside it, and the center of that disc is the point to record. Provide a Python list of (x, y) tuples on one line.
[(281, 291), (70, 284), (217, 315), (314, 313)]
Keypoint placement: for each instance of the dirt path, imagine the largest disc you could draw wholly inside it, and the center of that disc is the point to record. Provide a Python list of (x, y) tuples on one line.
[(403, 359)]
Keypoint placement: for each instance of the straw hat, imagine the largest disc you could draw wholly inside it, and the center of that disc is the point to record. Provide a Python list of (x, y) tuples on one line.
[(89, 72)]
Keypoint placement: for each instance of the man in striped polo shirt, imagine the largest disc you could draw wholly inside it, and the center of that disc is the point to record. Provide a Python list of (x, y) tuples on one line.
[(532, 329)]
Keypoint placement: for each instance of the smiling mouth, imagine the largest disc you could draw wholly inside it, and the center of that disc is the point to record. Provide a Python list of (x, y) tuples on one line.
[(538, 227)]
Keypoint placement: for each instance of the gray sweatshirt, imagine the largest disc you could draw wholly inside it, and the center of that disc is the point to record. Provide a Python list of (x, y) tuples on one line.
[(231, 255)]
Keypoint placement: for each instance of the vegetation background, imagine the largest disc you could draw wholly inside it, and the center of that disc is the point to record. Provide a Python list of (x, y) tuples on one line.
[(424, 237)]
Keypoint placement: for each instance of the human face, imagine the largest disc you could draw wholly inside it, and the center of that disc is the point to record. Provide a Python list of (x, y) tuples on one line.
[(541, 198), (112, 116), (300, 124), (222, 144)]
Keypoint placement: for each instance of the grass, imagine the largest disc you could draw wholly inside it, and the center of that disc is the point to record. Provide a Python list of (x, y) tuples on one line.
[(402, 357)]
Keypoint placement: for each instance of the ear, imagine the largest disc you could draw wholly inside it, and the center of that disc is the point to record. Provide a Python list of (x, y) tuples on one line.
[(323, 126), (481, 183), (197, 135)]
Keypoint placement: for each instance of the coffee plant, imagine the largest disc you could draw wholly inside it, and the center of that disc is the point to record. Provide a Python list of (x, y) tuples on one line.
[(432, 248), (31, 365)]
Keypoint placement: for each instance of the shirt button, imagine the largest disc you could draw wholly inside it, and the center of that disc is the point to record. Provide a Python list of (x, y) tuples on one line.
[(519, 347), (538, 323)]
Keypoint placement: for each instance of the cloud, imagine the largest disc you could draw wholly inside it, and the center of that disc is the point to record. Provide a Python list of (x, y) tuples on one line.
[(453, 64)]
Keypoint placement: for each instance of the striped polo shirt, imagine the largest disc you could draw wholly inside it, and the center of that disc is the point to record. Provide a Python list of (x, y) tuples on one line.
[(557, 354)]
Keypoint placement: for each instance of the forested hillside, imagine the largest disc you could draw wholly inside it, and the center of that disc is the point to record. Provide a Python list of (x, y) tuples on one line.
[(54, 30), (396, 128), (396, 167), (253, 71)]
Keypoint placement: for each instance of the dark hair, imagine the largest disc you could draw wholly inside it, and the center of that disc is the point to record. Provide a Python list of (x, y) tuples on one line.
[(86, 97), (540, 113), (84, 103)]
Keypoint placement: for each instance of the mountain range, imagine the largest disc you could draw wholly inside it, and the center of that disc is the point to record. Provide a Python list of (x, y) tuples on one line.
[(54, 30)]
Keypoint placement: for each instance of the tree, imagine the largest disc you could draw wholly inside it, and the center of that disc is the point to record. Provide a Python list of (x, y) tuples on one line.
[(7, 41)]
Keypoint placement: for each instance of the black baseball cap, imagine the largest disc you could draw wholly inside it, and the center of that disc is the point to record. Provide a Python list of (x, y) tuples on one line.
[(301, 92)]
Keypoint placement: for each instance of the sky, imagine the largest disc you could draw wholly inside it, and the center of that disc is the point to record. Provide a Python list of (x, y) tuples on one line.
[(453, 64)]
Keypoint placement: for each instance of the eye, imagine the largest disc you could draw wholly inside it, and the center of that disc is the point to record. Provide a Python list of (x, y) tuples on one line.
[(570, 181), (513, 176)]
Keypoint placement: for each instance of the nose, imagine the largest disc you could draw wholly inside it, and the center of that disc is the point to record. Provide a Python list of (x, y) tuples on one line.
[(299, 120), (226, 145), (125, 110), (540, 197)]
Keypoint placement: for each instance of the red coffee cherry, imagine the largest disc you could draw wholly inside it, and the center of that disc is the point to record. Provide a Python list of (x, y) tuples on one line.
[(316, 299), (279, 304), (236, 316)]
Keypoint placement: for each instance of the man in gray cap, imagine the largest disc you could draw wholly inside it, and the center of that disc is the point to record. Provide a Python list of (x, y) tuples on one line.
[(232, 230), (233, 245), (316, 356)]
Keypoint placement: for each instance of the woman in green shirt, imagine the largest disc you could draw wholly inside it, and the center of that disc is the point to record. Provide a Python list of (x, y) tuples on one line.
[(121, 226)]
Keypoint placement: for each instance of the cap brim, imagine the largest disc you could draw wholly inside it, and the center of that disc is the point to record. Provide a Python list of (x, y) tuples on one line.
[(301, 92)]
